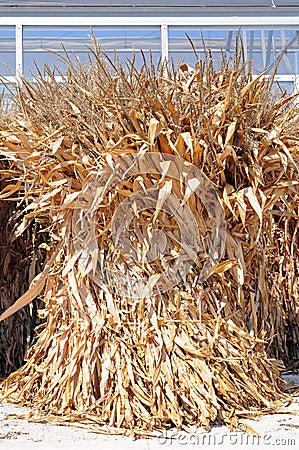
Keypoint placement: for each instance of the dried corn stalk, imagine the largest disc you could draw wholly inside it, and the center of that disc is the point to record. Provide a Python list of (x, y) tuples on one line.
[(197, 353), (19, 263)]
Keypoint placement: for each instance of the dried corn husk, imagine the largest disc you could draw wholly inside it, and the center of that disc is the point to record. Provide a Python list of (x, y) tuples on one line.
[(198, 352)]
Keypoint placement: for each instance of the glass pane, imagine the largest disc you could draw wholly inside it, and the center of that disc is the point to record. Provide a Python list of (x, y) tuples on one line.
[(284, 86), (263, 46), (7, 51), (39, 42), (6, 91)]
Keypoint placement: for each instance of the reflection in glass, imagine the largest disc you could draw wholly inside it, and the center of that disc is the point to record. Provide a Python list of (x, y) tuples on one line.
[(44, 44), (7, 51), (264, 47)]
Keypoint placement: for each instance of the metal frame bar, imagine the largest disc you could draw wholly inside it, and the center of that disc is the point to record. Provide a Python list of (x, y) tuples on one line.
[(19, 49), (263, 47), (245, 46), (164, 42), (229, 36), (269, 48), (219, 21), (251, 44)]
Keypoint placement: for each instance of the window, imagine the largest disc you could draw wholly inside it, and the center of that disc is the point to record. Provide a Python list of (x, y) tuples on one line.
[(7, 51), (45, 44), (263, 46)]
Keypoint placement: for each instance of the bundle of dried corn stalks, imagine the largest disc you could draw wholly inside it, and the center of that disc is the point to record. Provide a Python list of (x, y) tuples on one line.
[(194, 353)]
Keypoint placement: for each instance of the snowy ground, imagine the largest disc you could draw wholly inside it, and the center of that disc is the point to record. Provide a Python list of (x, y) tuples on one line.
[(277, 431)]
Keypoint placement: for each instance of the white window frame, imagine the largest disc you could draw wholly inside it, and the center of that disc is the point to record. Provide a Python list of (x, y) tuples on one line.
[(263, 20)]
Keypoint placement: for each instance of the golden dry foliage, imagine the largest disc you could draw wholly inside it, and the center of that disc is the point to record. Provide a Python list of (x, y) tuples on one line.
[(19, 263), (197, 353)]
